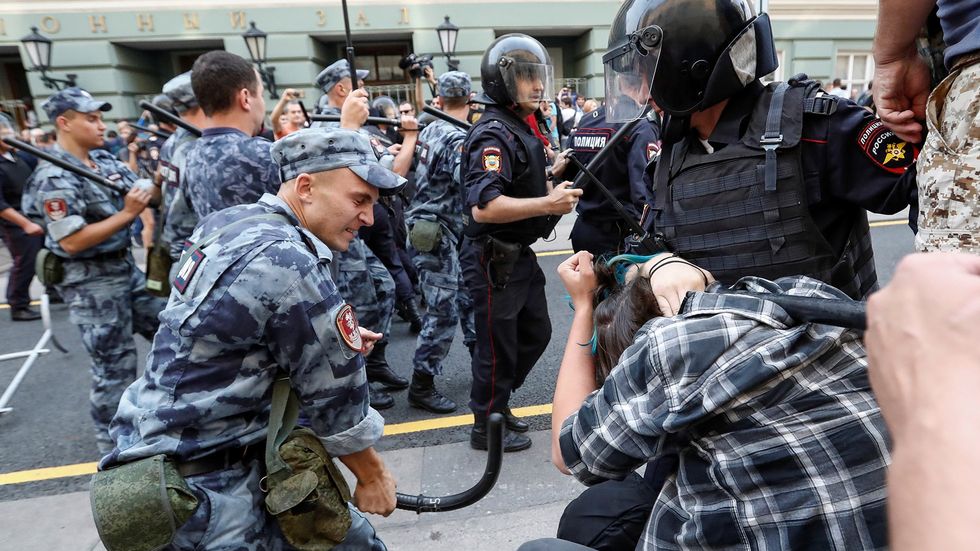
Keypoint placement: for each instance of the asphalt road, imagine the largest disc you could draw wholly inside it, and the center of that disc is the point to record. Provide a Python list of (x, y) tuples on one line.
[(49, 425)]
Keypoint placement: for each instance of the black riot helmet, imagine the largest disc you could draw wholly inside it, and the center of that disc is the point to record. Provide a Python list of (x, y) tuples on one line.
[(685, 54), (509, 64)]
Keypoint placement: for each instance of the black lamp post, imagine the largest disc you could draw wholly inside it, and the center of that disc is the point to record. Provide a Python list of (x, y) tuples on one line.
[(447, 41), (255, 42), (38, 49)]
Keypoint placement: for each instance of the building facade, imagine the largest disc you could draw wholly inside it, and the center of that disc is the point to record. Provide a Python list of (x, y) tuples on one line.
[(124, 50)]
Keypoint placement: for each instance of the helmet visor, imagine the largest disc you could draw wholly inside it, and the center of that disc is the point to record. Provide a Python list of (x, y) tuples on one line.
[(629, 69), (525, 81)]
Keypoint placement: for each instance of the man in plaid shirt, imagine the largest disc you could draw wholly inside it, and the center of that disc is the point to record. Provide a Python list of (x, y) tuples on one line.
[(781, 444)]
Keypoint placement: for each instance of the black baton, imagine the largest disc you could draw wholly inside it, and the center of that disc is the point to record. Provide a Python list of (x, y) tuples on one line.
[(171, 118), (61, 163)]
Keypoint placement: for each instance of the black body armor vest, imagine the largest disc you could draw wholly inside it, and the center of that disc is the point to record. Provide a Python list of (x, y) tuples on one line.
[(529, 180), (743, 210)]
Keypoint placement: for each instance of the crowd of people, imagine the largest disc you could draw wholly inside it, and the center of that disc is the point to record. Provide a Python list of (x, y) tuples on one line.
[(288, 248)]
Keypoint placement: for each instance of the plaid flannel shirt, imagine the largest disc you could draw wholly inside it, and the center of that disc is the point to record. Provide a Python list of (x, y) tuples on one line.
[(780, 440)]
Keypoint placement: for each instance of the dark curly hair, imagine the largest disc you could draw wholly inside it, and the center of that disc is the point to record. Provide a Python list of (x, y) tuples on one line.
[(620, 311)]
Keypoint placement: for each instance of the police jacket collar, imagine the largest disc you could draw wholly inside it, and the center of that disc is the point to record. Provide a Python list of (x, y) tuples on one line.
[(280, 207), (735, 118), (218, 130)]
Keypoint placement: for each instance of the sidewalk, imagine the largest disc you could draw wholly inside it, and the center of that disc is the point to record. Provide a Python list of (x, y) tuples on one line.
[(525, 504)]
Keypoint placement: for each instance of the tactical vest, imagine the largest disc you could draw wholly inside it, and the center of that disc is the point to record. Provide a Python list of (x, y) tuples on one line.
[(528, 183), (743, 210)]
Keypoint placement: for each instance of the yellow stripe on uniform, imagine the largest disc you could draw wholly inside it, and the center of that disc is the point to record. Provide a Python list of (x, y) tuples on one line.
[(81, 469)]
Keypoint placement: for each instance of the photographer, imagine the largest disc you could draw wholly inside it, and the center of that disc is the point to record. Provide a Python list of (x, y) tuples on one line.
[(419, 66)]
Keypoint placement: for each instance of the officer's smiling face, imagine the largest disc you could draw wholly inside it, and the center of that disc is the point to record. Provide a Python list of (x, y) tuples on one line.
[(338, 203)]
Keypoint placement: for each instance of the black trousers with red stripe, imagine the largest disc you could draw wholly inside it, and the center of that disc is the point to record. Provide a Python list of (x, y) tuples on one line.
[(512, 327)]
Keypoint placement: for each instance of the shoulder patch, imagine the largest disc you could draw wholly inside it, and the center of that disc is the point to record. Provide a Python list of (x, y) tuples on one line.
[(187, 270), (347, 327), (379, 149), (886, 149), (491, 159), (56, 209), (423, 153)]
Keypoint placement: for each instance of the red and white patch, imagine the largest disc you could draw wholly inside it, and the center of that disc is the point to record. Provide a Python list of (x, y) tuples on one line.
[(653, 149), (56, 209), (347, 326), (379, 149), (491, 159), (885, 149)]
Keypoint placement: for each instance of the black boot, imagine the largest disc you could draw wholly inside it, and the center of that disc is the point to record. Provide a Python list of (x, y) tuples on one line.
[(379, 398), (515, 423), (423, 394), (513, 442), (24, 313), (378, 370), (410, 313)]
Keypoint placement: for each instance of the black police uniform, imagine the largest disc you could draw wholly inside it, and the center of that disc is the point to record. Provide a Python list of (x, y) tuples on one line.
[(14, 173), (502, 156), (599, 229), (786, 188)]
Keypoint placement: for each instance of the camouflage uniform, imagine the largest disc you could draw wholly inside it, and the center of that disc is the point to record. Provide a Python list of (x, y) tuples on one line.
[(439, 198), (257, 301), (365, 282), (325, 81), (102, 286), (949, 165), (226, 167), (180, 217)]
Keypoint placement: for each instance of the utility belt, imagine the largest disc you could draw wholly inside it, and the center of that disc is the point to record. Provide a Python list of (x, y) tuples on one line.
[(139, 506), (501, 258), (218, 461), (50, 268), (103, 257)]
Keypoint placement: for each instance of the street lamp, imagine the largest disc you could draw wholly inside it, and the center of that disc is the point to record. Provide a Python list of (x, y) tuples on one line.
[(38, 49), (255, 42), (447, 41)]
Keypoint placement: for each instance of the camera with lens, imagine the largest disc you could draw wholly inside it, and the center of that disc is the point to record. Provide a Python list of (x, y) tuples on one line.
[(415, 64)]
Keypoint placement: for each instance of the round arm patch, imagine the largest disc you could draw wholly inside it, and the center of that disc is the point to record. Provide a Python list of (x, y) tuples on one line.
[(885, 149)]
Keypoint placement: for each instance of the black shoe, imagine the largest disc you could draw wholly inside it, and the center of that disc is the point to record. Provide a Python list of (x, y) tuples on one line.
[(423, 394), (24, 313), (379, 398), (378, 370), (409, 311), (515, 423), (54, 297), (513, 442)]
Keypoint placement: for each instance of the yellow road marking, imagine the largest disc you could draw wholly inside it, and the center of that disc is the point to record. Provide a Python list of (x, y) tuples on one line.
[(555, 253), (881, 223), (80, 469)]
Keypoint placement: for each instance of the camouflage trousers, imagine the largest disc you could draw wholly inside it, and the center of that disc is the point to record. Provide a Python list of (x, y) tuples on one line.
[(365, 283), (949, 165), (446, 303), (231, 515), (108, 302)]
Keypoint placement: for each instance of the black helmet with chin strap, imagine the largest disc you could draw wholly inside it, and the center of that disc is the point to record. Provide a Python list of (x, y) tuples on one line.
[(510, 59), (685, 54)]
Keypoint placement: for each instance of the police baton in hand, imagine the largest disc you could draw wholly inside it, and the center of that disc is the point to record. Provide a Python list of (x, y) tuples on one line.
[(170, 117), (849, 314), (369, 120), (441, 115), (495, 458), (158, 133), (61, 163)]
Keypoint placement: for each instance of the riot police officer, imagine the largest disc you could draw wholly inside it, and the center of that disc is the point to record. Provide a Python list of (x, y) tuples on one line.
[(229, 165), (752, 179), (179, 217), (88, 228), (767, 180), (508, 200), (598, 228), (436, 219), (335, 83)]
